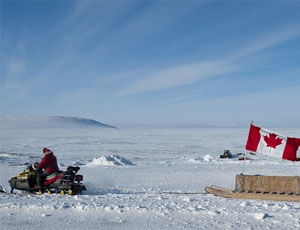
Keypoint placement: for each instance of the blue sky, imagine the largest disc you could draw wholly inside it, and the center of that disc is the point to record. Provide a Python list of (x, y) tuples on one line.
[(152, 62)]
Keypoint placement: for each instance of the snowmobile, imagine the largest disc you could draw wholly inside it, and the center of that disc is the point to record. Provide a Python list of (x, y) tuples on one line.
[(59, 182)]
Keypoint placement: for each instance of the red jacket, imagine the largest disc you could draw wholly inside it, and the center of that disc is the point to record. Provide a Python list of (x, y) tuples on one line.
[(48, 163)]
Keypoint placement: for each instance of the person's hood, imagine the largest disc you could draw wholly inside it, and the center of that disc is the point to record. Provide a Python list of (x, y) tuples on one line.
[(47, 154)]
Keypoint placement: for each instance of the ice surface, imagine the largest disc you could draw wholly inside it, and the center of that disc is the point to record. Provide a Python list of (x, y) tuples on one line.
[(151, 194)]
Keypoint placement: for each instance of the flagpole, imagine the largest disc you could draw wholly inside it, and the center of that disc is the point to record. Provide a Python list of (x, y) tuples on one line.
[(245, 156)]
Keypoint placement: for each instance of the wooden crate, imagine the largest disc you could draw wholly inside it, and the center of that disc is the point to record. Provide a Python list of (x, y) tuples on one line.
[(267, 184)]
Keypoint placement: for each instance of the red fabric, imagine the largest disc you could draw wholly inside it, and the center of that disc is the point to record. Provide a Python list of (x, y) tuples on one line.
[(290, 150), (48, 163), (253, 138)]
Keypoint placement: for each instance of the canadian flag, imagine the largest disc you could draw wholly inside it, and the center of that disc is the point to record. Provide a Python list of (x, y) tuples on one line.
[(269, 143)]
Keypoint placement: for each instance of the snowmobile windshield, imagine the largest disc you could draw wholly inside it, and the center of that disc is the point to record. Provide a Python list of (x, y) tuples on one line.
[(32, 162)]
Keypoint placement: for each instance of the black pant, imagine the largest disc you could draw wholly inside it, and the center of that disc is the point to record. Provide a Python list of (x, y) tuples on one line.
[(40, 177)]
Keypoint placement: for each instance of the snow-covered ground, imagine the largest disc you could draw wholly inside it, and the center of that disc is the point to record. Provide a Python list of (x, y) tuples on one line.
[(140, 179)]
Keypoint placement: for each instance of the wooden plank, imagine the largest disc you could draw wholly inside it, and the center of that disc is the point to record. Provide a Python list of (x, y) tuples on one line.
[(227, 193), (218, 191)]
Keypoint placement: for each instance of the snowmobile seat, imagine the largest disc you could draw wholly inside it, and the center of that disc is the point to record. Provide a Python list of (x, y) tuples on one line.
[(52, 178), (72, 169)]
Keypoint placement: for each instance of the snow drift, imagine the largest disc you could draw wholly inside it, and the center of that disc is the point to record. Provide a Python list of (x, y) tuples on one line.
[(112, 160), (49, 122)]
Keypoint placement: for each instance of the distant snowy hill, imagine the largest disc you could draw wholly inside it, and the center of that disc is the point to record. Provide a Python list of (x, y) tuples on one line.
[(49, 122)]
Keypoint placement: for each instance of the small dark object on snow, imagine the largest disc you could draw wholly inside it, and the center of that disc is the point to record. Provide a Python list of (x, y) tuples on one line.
[(244, 158), (226, 154)]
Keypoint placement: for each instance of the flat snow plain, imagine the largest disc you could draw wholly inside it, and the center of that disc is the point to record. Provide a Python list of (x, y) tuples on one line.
[(140, 179)]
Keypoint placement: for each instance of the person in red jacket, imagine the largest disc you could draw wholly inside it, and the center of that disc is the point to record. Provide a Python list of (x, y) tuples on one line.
[(47, 166)]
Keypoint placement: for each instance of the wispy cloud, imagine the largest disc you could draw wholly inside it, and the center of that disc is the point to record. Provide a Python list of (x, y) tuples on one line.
[(177, 76), (88, 23), (78, 95), (156, 17), (184, 74), (269, 40), (221, 89), (12, 80), (13, 67)]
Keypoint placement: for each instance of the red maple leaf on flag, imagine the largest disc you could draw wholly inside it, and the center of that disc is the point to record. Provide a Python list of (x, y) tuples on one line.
[(272, 140)]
